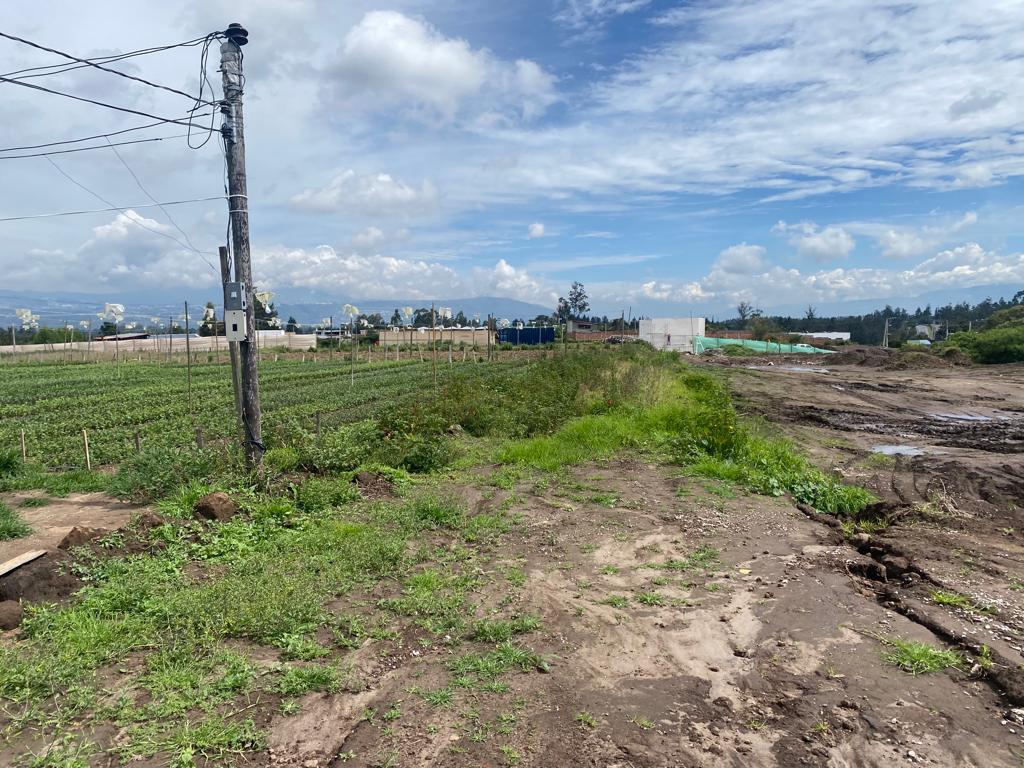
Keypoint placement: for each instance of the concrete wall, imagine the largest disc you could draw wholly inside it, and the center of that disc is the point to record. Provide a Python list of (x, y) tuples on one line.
[(672, 333), (422, 336)]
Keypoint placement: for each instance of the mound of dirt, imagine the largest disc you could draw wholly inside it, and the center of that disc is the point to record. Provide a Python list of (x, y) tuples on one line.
[(906, 360), (10, 614), (956, 356), (870, 357), (216, 506), (373, 486), (46, 580)]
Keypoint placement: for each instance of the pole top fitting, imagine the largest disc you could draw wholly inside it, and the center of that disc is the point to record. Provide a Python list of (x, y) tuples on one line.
[(237, 34)]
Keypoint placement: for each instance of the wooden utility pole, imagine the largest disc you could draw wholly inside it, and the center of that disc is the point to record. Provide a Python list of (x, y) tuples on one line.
[(433, 346), (188, 359), (233, 132), (225, 277)]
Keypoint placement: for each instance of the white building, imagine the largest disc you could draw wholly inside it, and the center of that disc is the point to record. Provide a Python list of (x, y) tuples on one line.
[(672, 333), (831, 335)]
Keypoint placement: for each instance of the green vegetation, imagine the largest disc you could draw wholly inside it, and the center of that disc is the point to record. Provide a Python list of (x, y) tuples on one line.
[(920, 658), (12, 526), (1000, 341), (185, 614), (690, 417)]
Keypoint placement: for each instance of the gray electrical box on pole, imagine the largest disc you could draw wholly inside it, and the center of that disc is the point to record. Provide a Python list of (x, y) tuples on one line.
[(235, 306), (233, 132)]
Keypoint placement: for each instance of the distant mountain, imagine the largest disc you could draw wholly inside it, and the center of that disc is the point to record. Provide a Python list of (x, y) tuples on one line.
[(57, 308)]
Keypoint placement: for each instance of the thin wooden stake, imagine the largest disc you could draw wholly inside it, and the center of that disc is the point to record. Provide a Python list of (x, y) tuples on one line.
[(85, 444), (200, 438), (138, 443), (24, 453)]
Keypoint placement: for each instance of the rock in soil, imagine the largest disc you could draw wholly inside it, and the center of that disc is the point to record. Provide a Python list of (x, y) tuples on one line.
[(10, 614), (216, 506)]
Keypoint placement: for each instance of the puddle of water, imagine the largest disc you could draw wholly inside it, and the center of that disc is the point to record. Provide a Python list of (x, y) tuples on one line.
[(790, 368), (959, 417), (898, 450)]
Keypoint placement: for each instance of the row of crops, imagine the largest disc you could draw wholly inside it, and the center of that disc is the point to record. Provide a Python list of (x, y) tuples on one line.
[(54, 403)]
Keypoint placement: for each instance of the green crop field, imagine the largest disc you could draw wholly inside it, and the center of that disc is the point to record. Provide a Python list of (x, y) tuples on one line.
[(53, 403)]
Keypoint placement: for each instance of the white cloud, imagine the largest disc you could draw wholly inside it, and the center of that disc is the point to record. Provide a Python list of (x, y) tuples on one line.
[(536, 230), (374, 194), (368, 238), (581, 14), (741, 259), (828, 244), (392, 60), (965, 266)]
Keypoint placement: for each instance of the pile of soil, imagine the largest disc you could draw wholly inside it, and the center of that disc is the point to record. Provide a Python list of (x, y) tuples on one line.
[(906, 360), (870, 357)]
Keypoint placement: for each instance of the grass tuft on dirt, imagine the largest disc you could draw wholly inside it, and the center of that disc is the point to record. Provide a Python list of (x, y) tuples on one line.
[(11, 524), (920, 658)]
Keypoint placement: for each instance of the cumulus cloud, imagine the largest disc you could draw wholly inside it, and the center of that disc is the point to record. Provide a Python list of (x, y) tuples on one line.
[(389, 59), (828, 244), (741, 259), (964, 266), (374, 194), (536, 230)]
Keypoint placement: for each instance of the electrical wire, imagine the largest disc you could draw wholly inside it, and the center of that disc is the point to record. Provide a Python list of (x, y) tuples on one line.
[(204, 82), (122, 209), (98, 146), (98, 196), (113, 148), (97, 136), (98, 103), (87, 62), (59, 68)]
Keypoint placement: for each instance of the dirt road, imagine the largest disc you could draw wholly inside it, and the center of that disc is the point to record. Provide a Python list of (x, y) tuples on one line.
[(682, 625)]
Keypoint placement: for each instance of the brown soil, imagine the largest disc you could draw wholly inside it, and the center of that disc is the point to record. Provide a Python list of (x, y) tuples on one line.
[(770, 656), (765, 659)]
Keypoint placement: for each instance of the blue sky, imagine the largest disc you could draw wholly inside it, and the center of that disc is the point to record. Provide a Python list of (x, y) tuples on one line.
[(674, 157)]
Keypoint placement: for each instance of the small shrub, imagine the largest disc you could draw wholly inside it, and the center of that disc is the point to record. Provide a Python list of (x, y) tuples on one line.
[(11, 525), (156, 472), (282, 459), (318, 494), (10, 463), (434, 511)]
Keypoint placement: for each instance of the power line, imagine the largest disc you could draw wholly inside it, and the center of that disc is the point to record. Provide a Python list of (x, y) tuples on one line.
[(121, 209), (137, 223), (101, 103), (99, 135), (59, 68), (145, 191), (87, 62), (98, 146)]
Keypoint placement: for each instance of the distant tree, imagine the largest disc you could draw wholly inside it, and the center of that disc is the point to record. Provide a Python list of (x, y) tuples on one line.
[(107, 328), (744, 310), (396, 318), (461, 319), (422, 317), (810, 313), (292, 326), (579, 302), (563, 310)]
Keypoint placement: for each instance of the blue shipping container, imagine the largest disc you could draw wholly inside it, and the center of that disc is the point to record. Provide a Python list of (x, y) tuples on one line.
[(519, 336)]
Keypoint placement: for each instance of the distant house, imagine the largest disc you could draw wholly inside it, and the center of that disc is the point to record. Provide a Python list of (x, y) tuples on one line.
[(927, 331), (830, 335)]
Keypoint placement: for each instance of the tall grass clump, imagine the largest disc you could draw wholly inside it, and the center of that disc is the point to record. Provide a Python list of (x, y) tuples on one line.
[(713, 442), (11, 524)]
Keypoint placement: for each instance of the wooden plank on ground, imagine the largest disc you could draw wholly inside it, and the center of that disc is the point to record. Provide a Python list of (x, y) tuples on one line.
[(20, 560)]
